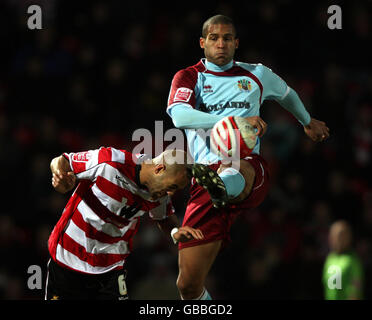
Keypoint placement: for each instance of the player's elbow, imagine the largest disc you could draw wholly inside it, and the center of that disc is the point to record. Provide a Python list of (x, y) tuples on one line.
[(54, 164), (178, 122), (180, 115)]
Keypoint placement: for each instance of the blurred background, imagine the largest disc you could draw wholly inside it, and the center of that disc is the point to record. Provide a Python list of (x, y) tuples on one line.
[(98, 70)]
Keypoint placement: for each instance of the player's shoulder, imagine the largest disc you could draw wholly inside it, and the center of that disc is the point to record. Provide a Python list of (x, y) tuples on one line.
[(111, 154), (256, 68), (191, 71)]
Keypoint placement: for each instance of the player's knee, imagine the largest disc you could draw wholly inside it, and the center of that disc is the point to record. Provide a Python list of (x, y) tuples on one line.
[(241, 180), (183, 284), (189, 288), (234, 182)]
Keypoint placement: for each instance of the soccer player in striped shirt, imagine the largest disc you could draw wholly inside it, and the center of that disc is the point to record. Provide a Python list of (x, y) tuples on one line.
[(94, 235), (201, 95)]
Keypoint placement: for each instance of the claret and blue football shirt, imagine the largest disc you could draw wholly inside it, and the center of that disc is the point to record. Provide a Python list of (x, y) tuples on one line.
[(236, 89)]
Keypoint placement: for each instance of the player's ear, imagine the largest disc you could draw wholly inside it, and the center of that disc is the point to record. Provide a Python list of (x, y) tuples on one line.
[(236, 43), (201, 42), (159, 168)]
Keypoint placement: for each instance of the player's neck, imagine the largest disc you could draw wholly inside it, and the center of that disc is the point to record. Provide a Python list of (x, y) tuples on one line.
[(213, 67), (142, 175)]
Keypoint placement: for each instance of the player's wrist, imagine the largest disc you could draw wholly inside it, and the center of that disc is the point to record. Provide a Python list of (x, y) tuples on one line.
[(174, 230), (308, 126)]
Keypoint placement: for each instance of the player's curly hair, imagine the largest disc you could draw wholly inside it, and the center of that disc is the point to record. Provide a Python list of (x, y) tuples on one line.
[(217, 19)]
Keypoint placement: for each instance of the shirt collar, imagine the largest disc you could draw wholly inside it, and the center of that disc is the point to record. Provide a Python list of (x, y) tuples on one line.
[(213, 67)]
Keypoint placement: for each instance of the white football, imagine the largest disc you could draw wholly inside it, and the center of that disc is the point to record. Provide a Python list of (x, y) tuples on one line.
[(233, 137)]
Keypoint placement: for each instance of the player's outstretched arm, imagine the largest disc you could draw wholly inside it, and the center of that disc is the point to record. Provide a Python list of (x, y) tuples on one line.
[(314, 129), (63, 179)]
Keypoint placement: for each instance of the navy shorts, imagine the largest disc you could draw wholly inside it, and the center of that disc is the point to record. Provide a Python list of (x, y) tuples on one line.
[(66, 284)]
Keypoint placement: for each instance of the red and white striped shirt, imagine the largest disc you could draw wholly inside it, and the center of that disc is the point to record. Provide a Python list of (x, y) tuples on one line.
[(94, 234)]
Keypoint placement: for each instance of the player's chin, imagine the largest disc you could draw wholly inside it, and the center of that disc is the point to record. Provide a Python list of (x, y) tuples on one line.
[(156, 196), (221, 60)]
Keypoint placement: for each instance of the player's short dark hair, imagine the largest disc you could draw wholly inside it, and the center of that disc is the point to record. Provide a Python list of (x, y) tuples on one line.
[(217, 19)]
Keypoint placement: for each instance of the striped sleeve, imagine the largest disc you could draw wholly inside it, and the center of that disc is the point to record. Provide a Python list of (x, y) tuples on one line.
[(86, 163)]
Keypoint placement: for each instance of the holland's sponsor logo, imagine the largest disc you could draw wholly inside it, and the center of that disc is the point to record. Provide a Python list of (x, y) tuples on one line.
[(219, 106)]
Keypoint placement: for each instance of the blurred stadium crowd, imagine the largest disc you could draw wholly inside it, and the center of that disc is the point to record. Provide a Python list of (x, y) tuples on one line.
[(99, 70)]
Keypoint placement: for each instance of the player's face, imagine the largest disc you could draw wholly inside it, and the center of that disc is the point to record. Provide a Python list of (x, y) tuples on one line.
[(167, 184), (220, 44), (339, 239)]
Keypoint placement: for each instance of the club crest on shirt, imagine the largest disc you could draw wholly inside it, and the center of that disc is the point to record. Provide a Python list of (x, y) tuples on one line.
[(245, 85)]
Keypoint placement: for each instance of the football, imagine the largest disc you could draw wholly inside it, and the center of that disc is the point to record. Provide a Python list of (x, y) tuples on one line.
[(233, 137)]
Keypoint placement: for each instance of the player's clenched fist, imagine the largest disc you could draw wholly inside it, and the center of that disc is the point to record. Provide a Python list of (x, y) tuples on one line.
[(63, 179), (317, 130), (63, 182)]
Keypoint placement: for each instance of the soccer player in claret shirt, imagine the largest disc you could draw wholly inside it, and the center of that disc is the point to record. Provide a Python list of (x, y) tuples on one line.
[(94, 235), (201, 95)]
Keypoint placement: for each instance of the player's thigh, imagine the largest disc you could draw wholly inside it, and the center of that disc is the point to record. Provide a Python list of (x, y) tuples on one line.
[(196, 261), (63, 284)]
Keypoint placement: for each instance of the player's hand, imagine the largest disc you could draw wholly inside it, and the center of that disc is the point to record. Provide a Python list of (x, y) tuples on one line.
[(63, 181), (258, 123), (186, 233), (317, 130)]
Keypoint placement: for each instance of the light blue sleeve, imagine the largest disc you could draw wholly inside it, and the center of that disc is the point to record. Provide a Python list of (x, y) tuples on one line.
[(275, 88), (185, 117), (292, 103)]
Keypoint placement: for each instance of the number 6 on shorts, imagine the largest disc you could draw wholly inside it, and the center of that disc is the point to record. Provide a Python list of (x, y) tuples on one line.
[(122, 286)]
